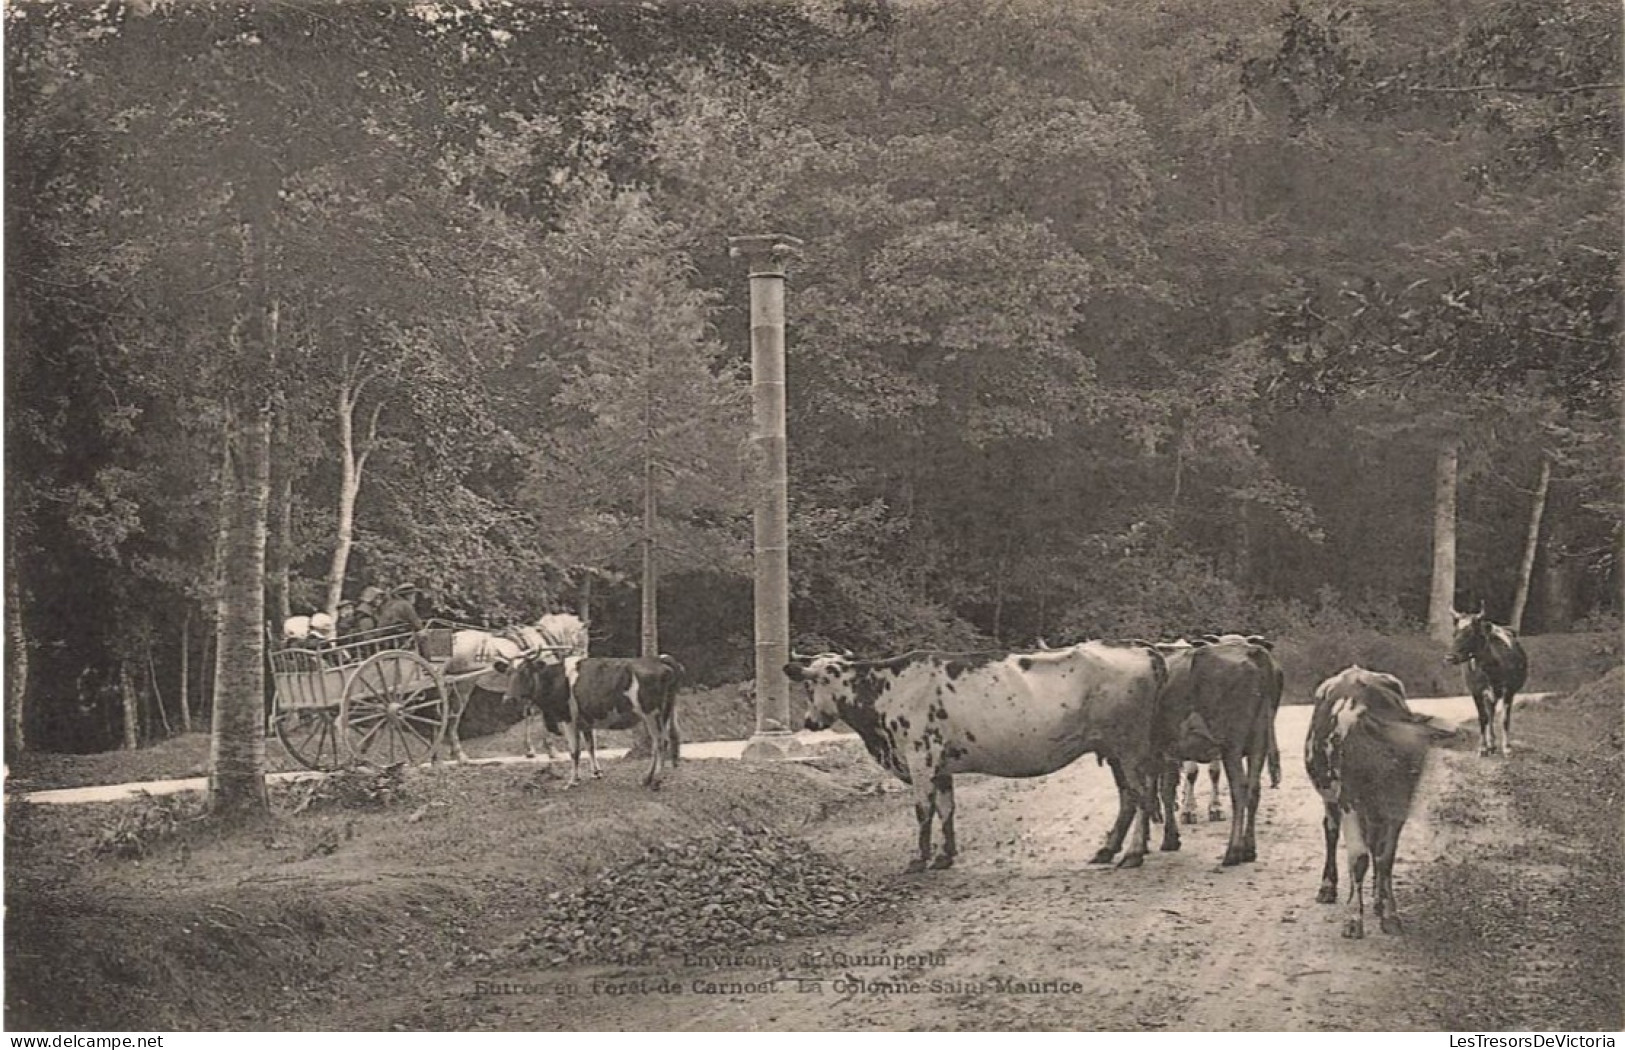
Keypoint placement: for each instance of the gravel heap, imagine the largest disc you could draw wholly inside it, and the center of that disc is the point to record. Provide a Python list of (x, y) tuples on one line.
[(718, 891)]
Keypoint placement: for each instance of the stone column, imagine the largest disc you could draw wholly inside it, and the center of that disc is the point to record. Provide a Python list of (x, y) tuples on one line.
[(765, 254)]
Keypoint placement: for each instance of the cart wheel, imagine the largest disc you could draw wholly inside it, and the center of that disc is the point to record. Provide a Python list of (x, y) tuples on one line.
[(311, 736), (393, 710)]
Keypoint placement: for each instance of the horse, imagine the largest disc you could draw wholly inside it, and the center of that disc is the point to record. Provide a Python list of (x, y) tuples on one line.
[(1495, 669), (553, 637)]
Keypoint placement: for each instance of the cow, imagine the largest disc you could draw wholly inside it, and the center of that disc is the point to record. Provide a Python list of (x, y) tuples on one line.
[(1364, 754), (482, 659), (582, 694), (1495, 669), (1219, 706), (926, 715)]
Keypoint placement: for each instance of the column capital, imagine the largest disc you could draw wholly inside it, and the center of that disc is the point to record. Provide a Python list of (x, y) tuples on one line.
[(765, 253)]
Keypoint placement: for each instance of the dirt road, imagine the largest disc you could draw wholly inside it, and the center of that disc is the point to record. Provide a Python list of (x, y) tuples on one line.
[(1025, 933)]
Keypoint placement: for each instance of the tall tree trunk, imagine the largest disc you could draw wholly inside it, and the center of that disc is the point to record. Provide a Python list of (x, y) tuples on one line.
[(1531, 543), (158, 696), (349, 486), (649, 635), (237, 779), (237, 743), (16, 663), (1442, 595), (130, 702), (353, 453), (186, 660), (279, 548), (584, 598)]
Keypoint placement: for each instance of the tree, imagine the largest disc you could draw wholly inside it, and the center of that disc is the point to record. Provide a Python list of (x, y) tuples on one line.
[(650, 415)]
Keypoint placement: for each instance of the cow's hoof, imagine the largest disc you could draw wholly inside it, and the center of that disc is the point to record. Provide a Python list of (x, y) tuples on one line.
[(1484, 752), (1102, 856), (1275, 782), (1506, 750), (1215, 815), (944, 860), (1131, 860), (1390, 924), (1249, 855), (1327, 894), (1354, 929), (598, 774), (530, 754), (1232, 857), (1170, 845), (1187, 818), (915, 866)]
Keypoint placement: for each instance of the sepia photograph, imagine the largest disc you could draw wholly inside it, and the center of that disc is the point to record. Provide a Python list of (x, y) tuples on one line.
[(533, 515)]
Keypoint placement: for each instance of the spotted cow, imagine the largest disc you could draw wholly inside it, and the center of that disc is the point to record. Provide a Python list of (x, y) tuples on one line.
[(583, 694), (1364, 753), (1219, 706), (926, 716)]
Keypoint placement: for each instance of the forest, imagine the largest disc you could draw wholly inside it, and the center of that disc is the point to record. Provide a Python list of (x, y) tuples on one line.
[(1112, 319)]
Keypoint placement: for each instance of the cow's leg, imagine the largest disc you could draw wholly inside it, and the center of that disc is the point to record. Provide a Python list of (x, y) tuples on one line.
[(943, 794), (1385, 848), (925, 807), (1187, 807), (657, 751), (1141, 779), (1359, 858), (1331, 822), (1275, 757), (592, 752), (1236, 851), (1215, 812), (1168, 790), (530, 748), (572, 739), (1125, 816), (1484, 701), (1506, 722), (459, 700), (1256, 760)]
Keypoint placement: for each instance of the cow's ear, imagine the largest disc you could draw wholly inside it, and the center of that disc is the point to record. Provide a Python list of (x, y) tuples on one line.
[(847, 654), (500, 666)]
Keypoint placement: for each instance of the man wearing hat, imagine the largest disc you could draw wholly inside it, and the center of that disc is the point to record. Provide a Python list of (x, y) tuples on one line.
[(401, 608), (366, 609)]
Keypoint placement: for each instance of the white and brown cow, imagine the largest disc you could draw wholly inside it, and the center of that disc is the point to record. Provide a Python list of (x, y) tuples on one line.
[(926, 716), (583, 694), (1364, 753)]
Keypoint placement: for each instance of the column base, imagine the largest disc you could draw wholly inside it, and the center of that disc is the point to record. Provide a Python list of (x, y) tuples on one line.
[(774, 746)]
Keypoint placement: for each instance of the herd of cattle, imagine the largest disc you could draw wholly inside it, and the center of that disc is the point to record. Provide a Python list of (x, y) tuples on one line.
[(1151, 712)]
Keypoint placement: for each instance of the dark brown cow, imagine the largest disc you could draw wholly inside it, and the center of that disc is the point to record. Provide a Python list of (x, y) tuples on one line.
[(1364, 753), (586, 693), (925, 716), (1219, 705)]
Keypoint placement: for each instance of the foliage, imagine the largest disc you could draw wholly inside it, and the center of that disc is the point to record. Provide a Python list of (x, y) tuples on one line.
[(1111, 320)]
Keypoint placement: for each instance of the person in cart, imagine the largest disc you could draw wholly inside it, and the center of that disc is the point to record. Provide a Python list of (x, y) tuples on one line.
[(366, 608), (401, 609)]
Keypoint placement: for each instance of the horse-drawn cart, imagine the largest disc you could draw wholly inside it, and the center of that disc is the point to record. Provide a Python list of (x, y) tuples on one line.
[(376, 696)]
